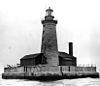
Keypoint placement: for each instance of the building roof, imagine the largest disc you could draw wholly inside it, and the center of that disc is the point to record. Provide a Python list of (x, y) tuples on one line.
[(31, 56), (61, 54), (65, 55)]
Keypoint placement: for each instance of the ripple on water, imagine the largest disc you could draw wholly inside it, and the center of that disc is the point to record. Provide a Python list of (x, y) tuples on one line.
[(65, 82)]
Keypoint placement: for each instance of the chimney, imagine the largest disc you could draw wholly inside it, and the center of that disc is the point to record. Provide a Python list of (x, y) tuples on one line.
[(71, 48)]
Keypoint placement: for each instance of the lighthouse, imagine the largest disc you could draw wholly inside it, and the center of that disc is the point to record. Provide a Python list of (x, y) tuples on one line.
[(49, 39), (50, 63)]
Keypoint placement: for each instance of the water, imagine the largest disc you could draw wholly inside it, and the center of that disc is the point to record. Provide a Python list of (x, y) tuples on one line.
[(65, 82)]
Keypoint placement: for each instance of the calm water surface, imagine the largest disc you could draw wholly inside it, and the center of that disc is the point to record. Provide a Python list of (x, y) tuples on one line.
[(65, 82)]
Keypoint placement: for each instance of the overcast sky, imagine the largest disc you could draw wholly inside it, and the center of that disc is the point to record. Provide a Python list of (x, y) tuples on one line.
[(21, 28)]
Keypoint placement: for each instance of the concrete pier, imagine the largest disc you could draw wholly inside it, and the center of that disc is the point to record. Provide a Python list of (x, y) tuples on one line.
[(49, 73)]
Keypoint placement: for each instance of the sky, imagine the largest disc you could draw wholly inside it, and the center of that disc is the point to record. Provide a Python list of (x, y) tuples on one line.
[(21, 28)]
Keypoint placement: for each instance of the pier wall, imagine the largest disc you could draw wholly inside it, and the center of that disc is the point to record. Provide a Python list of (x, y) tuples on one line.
[(14, 69), (48, 72), (78, 69), (51, 69)]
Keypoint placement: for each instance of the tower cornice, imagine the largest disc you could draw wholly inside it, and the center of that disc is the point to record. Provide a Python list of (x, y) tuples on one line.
[(49, 21)]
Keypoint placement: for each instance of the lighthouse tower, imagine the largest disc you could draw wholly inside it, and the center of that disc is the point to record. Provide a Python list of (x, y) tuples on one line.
[(49, 45)]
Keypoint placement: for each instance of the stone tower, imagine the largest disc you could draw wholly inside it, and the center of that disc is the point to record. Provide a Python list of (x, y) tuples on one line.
[(49, 45)]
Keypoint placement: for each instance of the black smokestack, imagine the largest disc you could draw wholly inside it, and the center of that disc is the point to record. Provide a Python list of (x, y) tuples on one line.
[(71, 48)]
